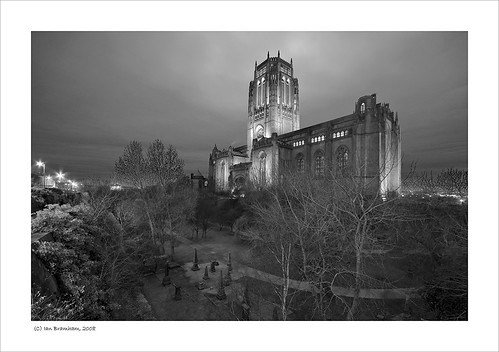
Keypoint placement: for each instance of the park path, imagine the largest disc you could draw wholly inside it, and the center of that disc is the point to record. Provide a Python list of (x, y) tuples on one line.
[(240, 270)]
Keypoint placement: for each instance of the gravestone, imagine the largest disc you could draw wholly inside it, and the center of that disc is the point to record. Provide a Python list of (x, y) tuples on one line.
[(221, 291), (178, 294), (166, 279), (195, 266), (205, 276), (228, 279), (229, 264), (212, 267)]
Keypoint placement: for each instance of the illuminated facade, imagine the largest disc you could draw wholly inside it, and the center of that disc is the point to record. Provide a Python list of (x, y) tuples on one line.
[(366, 142)]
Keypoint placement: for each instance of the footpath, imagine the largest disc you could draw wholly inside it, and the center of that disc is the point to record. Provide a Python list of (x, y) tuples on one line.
[(240, 270)]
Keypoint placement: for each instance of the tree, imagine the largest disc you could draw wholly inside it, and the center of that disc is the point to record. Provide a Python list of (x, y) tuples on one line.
[(132, 166), (205, 211), (270, 233), (159, 180), (453, 181), (324, 221), (164, 164), (94, 272), (171, 213), (442, 232)]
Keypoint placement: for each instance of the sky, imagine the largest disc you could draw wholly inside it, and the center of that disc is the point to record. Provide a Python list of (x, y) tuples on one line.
[(94, 92)]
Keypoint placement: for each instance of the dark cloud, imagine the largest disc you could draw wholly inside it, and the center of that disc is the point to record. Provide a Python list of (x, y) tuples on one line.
[(93, 92)]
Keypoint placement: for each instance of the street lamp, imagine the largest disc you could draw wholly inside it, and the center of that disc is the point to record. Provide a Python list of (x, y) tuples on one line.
[(42, 164), (60, 176)]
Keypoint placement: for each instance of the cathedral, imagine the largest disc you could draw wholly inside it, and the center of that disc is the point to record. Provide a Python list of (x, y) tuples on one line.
[(365, 142)]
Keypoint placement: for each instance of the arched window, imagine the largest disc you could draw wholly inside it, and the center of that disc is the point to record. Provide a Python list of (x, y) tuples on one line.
[(342, 159), (362, 108), (222, 174), (319, 163), (262, 167), (300, 163)]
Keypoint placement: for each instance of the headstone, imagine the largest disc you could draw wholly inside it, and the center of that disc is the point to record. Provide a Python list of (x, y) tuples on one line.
[(221, 291), (201, 285), (178, 294), (205, 276), (228, 279), (229, 264), (195, 266), (212, 267), (166, 279)]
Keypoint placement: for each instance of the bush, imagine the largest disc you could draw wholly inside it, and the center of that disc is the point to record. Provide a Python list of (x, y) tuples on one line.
[(92, 271)]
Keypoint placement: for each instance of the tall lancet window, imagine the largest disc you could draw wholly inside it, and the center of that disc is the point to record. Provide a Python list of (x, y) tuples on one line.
[(288, 92), (300, 163), (263, 95), (319, 163), (258, 93), (282, 93), (222, 174), (342, 160), (262, 167)]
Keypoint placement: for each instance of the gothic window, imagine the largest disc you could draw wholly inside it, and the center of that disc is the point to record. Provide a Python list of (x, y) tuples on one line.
[(262, 167), (343, 133), (222, 174), (300, 163), (342, 159), (288, 97), (263, 93), (362, 108), (319, 163), (258, 93)]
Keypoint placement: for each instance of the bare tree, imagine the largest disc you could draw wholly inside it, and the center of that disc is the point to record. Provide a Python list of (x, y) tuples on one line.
[(454, 181), (172, 214), (164, 164), (270, 232), (158, 179), (132, 166)]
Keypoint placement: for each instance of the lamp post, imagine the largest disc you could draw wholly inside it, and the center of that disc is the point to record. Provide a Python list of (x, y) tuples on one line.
[(42, 164), (60, 176)]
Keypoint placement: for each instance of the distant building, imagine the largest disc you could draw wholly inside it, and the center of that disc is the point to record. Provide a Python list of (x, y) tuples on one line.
[(366, 142), (198, 181)]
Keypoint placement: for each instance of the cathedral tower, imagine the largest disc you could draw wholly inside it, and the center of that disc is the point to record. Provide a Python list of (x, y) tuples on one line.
[(273, 103)]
